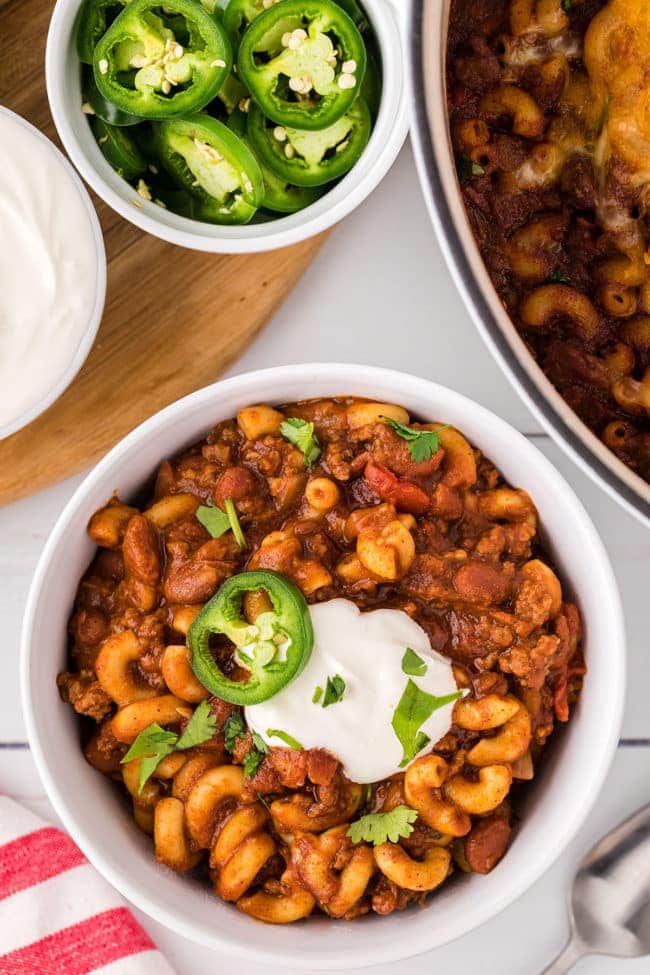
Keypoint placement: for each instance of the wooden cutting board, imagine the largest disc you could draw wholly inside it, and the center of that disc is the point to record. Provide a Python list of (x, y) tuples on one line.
[(174, 319)]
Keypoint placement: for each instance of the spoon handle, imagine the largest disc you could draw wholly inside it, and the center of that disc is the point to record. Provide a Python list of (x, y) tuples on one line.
[(567, 958)]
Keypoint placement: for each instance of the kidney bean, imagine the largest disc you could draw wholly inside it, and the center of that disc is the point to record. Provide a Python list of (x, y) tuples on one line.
[(403, 494), (108, 565), (487, 843), (481, 583), (140, 550), (446, 501), (90, 627), (235, 483), (389, 449), (138, 594), (192, 582)]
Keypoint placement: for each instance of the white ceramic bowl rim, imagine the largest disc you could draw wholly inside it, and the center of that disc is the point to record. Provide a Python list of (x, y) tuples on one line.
[(576, 767), (90, 332), (389, 132)]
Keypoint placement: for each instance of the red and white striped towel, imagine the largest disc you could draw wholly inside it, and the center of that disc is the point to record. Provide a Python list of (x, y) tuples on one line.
[(57, 915)]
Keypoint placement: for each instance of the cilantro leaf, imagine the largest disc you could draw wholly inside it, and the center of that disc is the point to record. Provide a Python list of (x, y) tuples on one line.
[(213, 519), (233, 730), (201, 727), (468, 169), (285, 737), (318, 693), (423, 444), (253, 761), (378, 828), (155, 743), (233, 521), (425, 447), (148, 766), (558, 278), (301, 434), (255, 756), (413, 664), (153, 738), (334, 690), (151, 746), (259, 743), (421, 741), (218, 522), (366, 797), (414, 708)]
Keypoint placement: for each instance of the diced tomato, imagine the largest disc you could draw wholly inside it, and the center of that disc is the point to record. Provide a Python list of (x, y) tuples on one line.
[(561, 690), (402, 493)]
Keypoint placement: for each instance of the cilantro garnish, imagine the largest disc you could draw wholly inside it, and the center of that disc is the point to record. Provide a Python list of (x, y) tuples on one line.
[(253, 761), (468, 169), (201, 727), (259, 743), (233, 730), (155, 743), (558, 278), (423, 444), (316, 696), (413, 664), (231, 511), (334, 691), (218, 522), (151, 746), (213, 519), (301, 434), (414, 708), (255, 756), (379, 828), (366, 797), (285, 737)]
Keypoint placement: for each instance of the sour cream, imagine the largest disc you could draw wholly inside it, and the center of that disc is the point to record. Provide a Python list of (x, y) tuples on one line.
[(366, 649), (48, 270)]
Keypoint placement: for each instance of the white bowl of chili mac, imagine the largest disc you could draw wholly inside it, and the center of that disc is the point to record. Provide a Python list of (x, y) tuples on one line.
[(479, 559)]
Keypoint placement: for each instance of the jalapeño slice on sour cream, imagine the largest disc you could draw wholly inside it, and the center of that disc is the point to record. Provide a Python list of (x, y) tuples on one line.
[(273, 650), (370, 726)]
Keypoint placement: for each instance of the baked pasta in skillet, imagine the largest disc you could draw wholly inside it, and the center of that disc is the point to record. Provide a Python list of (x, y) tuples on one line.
[(549, 122)]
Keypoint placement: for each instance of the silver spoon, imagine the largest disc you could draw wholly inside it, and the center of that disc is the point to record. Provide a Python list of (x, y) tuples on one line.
[(610, 904)]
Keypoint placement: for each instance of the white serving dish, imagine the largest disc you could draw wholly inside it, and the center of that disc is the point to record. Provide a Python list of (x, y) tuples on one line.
[(62, 74), (81, 353), (98, 820)]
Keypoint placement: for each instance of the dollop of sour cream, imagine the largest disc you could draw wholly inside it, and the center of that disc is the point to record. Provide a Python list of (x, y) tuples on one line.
[(366, 650), (48, 274)]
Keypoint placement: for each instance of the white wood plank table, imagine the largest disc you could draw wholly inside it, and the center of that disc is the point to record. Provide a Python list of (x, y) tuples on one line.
[(380, 293)]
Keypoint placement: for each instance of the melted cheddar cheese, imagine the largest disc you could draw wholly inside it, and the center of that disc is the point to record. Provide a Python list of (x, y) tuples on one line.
[(617, 59)]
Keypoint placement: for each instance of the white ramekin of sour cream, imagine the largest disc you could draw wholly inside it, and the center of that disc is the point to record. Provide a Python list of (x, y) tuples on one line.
[(52, 273)]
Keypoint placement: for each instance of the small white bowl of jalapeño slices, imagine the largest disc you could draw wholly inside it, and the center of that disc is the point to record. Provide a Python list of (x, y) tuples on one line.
[(228, 125)]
